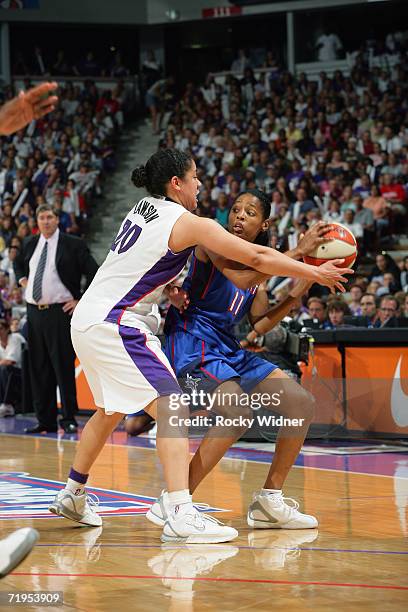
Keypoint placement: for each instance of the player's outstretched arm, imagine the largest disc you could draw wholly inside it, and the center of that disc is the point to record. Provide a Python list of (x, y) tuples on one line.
[(244, 278), (28, 105), (190, 230)]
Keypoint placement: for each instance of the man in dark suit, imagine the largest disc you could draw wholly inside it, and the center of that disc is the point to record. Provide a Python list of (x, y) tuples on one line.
[(385, 316), (368, 315), (318, 314), (50, 266), (387, 313)]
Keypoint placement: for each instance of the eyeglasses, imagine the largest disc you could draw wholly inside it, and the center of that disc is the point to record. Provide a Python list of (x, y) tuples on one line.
[(388, 309)]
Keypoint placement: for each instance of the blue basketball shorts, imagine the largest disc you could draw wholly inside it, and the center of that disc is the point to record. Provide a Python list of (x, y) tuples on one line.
[(193, 356)]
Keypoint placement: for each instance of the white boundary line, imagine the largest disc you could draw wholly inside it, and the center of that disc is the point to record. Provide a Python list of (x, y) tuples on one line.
[(303, 467)]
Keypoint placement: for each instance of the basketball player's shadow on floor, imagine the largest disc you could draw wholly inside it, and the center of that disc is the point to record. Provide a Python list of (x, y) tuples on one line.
[(78, 547), (179, 565), (273, 549)]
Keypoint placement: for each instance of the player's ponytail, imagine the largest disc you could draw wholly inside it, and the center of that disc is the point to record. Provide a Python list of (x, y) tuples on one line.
[(139, 176), (160, 169)]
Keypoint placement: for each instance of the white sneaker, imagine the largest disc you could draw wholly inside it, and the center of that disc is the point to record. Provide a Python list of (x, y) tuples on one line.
[(158, 512), (193, 527), (6, 410), (78, 508), (272, 551), (178, 567), (15, 548), (272, 512)]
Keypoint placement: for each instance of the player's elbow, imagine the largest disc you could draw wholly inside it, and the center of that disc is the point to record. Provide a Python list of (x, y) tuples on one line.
[(256, 258)]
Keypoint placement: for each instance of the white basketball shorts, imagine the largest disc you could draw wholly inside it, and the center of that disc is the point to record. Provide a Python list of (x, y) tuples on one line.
[(125, 367)]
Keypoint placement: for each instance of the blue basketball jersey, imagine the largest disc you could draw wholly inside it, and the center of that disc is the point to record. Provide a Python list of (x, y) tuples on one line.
[(216, 306)]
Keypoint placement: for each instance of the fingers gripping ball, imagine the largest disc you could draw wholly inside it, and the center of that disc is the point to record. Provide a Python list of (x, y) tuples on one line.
[(343, 245)]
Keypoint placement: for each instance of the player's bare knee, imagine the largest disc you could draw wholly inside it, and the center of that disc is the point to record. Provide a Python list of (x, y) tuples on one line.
[(307, 405)]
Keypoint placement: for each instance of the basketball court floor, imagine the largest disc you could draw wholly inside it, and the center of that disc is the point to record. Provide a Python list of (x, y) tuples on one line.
[(357, 559)]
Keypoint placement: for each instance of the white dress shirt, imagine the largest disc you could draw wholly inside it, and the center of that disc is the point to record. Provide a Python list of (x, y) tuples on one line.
[(53, 290)]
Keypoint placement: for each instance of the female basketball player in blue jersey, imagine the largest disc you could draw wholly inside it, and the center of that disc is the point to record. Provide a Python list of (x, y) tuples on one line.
[(115, 324), (201, 346)]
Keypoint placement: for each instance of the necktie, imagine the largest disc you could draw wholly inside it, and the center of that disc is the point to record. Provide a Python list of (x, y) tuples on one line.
[(39, 274)]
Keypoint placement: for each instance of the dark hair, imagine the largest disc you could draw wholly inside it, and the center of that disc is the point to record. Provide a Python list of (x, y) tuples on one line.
[(160, 168), (45, 208), (370, 295), (338, 305), (316, 299), (265, 202)]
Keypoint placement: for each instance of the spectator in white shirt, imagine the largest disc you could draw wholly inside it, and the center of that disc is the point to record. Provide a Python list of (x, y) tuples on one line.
[(70, 203), (17, 303), (355, 228), (241, 62), (328, 47), (333, 215), (10, 367), (7, 264), (389, 142), (85, 178)]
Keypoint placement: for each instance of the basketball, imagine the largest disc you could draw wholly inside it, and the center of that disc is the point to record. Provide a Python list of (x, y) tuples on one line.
[(343, 245)]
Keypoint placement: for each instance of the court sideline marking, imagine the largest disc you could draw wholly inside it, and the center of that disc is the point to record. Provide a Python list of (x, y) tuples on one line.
[(153, 448), (214, 579)]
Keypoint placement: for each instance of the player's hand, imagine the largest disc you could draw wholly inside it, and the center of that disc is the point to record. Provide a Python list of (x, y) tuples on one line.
[(313, 238), (28, 105), (70, 306), (178, 298), (331, 276)]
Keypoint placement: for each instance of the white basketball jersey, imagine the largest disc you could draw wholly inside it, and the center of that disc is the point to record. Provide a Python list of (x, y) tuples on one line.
[(139, 265)]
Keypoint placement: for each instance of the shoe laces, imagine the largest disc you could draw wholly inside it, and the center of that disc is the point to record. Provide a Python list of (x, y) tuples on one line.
[(293, 503), (210, 518), (281, 500), (197, 519)]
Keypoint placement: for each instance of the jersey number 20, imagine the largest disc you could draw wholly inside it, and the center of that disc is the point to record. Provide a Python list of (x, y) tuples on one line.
[(126, 237)]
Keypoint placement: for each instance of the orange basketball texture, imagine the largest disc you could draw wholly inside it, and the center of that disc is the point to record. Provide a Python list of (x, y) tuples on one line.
[(342, 246)]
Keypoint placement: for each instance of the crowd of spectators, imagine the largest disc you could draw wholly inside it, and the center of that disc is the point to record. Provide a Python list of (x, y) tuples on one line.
[(377, 300), (334, 149), (60, 160), (43, 63)]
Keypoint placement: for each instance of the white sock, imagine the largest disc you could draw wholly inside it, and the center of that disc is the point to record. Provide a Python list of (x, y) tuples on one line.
[(271, 491), (180, 499), (75, 487)]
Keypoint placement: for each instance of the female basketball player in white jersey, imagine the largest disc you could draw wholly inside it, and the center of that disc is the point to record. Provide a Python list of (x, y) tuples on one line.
[(114, 327)]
